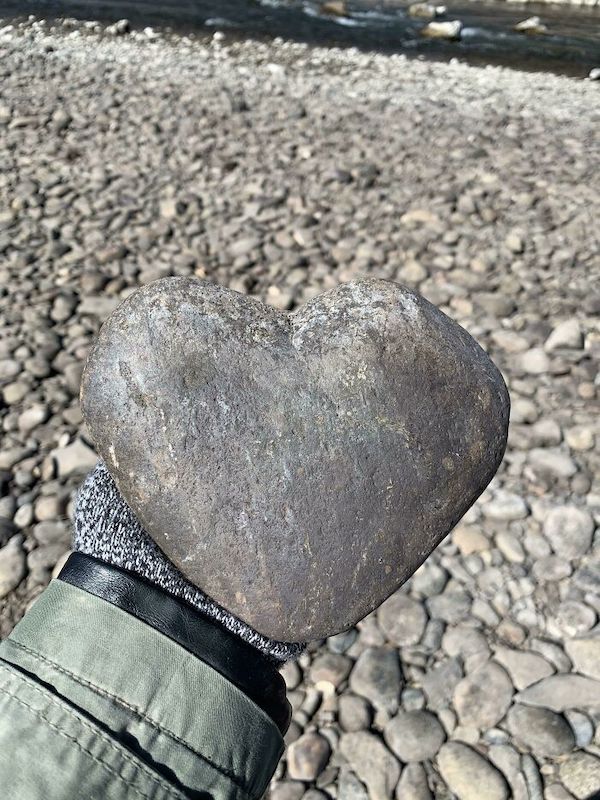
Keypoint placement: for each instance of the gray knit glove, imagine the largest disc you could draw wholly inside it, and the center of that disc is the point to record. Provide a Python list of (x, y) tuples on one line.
[(106, 528)]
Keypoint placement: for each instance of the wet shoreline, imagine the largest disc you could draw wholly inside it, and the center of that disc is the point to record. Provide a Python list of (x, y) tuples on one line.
[(571, 45)]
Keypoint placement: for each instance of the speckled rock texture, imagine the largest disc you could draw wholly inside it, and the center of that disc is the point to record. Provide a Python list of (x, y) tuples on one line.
[(298, 467)]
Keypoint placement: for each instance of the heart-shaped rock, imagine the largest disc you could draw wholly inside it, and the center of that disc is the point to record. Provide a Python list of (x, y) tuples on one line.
[(297, 467)]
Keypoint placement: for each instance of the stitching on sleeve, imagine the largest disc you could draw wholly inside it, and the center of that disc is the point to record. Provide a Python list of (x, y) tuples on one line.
[(37, 713), (138, 712)]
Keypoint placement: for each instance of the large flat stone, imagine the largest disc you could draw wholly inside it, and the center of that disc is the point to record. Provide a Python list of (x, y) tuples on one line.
[(298, 467)]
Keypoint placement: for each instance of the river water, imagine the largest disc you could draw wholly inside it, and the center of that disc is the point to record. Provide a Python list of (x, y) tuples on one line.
[(571, 46)]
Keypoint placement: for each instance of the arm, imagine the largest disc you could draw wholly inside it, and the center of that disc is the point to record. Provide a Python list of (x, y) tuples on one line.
[(123, 689)]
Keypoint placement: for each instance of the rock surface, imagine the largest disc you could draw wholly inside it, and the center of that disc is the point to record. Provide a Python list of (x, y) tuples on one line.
[(414, 736), (561, 692), (307, 757), (469, 775), (374, 765), (581, 775), (585, 654), (483, 697), (377, 676), (12, 565), (413, 784), (569, 530), (272, 421), (541, 730)]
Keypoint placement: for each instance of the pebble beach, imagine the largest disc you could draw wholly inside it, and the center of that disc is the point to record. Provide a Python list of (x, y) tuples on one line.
[(281, 170)]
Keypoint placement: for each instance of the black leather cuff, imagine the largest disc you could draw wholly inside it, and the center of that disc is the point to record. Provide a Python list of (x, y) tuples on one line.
[(222, 650)]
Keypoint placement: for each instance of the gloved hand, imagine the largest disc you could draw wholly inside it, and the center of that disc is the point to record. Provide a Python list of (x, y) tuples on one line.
[(107, 529)]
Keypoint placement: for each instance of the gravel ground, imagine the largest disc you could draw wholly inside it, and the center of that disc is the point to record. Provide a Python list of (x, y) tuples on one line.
[(280, 171)]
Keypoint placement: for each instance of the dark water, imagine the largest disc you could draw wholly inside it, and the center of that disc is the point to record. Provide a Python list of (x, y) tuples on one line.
[(572, 45)]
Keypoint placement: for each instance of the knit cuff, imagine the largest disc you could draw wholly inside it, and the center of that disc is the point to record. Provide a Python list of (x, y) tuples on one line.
[(106, 528)]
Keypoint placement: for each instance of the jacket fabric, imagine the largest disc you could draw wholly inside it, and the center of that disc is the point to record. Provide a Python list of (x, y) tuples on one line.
[(95, 702)]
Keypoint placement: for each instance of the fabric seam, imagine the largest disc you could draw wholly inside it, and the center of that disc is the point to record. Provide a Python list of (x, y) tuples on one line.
[(135, 710), (40, 715)]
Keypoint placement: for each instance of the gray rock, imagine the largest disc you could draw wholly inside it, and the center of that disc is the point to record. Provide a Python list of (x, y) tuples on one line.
[(354, 713), (587, 577), (510, 547), (569, 530), (49, 507), (585, 655), (9, 368), (464, 641), (524, 410), (555, 791), (402, 619), (532, 26), (580, 773), (533, 778), (340, 642), (552, 653), (574, 617), (371, 634), (561, 692), (307, 757), (440, 682), (523, 668), (429, 579), (330, 668), (469, 775), (470, 539), (413, 784), (514, 242), (12, 565), (580, 438), (291, 674), (582, 727), (264, 391), (42, 560), (552, 462), (534, 361), (376, 676), (242, 247), (49, 532), (414, 735), (11, 456), (61, 119), (120, 28), (546, 433), (541, 730), (74, 459), (349, 787), (60, 563), (24, 516), (412, 699), (452, 606), (483, 697), (450, 29), (286, 790), (98, 306), (505, 506), (7, 529), (565, 334), (508, 760), (32, 417), (372, 762), (550, 569)]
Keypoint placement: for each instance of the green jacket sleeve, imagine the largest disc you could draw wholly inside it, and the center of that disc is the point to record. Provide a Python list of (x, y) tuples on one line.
[(95, 703)]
